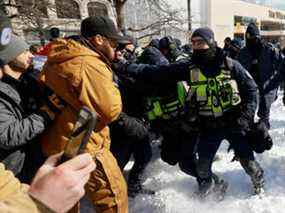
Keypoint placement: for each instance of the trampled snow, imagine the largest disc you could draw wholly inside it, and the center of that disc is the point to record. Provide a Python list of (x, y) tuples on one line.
[(175, 190)]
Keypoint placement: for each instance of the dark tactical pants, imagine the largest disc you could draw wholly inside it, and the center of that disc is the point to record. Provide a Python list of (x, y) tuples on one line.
[(209, 143)]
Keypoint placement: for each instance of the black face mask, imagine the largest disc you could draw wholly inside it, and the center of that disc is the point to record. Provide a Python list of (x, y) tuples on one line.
[(204, 57), (254, 45)]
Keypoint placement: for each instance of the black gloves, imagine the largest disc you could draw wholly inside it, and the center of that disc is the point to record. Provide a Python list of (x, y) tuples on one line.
[(259, 138), (244, 123), (132, 127), (120, 66)]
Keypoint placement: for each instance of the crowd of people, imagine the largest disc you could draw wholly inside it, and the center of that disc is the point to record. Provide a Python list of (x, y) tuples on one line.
[(189, 97)]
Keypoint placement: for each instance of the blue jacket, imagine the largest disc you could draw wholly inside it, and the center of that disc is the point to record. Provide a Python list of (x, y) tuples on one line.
[(268, 64)]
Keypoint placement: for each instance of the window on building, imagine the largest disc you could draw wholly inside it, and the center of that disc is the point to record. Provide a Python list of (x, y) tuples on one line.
[(97, 9), (244, 20), (67, 9), (272, 26), (33, 7)]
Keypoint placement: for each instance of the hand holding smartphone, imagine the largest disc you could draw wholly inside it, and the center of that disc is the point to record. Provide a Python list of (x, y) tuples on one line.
[(81, 133)]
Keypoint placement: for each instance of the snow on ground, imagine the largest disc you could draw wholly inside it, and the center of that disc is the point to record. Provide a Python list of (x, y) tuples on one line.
[(174, 189)]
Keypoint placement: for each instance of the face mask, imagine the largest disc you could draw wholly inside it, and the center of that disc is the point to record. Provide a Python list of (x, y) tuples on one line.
[(203, 56), (253, 43)]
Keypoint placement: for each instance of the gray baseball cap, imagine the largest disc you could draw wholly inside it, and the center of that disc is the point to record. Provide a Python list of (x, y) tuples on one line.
[(16, 46)]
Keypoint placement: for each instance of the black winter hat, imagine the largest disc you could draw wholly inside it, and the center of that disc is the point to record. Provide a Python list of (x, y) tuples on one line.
[(154, 43), (236, 43), (252, 31), (167, 42), (207, 34), (100, 25), (54, 32)]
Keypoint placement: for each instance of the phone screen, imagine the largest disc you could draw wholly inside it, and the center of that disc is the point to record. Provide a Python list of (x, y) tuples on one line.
[(81, 133)]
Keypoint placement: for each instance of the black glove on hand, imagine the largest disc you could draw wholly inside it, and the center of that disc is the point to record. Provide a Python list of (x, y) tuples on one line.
[(133, 127), (120, 67), (243, 123)]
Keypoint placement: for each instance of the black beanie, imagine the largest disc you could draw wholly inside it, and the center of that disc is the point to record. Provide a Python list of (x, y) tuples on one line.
[(207, 34), (252, 31)]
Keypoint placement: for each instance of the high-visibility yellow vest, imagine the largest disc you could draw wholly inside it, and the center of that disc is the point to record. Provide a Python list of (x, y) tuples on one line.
[(167, 107), (216, 95)]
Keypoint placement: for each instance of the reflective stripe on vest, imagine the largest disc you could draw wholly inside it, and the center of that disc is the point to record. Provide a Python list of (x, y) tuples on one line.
[(214, 95), (167, 107)]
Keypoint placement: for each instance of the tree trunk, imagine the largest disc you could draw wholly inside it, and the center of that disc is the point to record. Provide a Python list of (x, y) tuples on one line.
[(120, 15), (42, 37), (189, 15)]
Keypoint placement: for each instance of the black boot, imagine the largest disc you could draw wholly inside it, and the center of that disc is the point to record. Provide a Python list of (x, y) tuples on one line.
[(220, 188), (205, 188), (254, 170), (135, 186), (215, 186)]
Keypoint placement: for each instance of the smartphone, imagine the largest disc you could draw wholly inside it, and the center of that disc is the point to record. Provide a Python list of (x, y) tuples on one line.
[(83, 128)]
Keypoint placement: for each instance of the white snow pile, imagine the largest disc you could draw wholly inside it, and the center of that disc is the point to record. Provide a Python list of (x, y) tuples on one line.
[(175, 190)]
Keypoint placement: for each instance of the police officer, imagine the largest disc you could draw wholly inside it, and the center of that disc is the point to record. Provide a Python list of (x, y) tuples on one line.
[(262, 61), (222, 104), (168, 46)]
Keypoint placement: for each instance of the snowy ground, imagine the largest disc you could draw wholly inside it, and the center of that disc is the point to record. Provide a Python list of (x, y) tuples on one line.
[(174, 189)]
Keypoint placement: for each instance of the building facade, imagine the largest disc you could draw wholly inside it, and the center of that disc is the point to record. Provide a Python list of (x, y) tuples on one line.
[(231, 17), (225, 17), (64, 14)]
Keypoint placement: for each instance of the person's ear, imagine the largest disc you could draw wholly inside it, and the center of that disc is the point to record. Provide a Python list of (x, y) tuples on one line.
[(97, 40)]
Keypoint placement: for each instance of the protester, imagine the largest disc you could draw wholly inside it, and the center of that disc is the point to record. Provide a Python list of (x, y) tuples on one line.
[(78, 73)]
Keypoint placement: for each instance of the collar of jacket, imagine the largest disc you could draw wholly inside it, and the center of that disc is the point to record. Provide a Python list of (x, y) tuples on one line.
[(85, 42), (15, 83), (11, 95)]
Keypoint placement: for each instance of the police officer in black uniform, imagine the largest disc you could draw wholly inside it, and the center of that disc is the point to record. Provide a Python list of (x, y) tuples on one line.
[(221, 105)]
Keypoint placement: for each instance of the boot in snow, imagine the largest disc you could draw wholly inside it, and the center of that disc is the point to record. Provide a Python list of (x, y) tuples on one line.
[(135, 187), (216, 187), (253, 169), (220, 187)]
